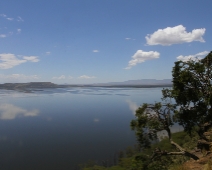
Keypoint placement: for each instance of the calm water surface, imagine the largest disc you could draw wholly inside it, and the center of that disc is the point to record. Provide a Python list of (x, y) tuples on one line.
[(56, 129)]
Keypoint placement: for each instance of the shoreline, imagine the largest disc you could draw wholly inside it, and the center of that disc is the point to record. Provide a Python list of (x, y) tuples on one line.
[(44, 85)]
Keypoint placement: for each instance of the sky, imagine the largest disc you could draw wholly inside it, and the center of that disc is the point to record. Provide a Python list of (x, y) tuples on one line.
[(99, 41)]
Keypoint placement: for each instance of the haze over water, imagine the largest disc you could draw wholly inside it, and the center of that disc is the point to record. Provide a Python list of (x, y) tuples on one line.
[(60, 128)]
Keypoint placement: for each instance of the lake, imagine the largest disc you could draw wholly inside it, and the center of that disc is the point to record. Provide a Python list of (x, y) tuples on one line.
[(57, 129)]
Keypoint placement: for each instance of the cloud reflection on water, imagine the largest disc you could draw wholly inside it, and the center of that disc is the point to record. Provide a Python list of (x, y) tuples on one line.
[(9, 112), (133, 106)]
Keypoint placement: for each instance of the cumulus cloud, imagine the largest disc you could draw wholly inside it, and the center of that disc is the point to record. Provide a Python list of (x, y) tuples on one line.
[(141, 56), (9, 112), (10, 60), (194, 57), (95, 51), (60, 77), (86, 77), (175, 35)]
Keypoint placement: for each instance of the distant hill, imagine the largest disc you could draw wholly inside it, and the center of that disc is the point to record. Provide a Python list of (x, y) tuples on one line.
[(143, 83), (139, 82), (13, 86)]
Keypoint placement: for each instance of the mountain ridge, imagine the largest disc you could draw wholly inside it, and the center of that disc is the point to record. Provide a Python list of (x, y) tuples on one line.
[(140, 82)]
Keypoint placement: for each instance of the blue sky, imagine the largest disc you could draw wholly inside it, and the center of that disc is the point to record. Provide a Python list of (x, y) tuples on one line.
[(97, 41)]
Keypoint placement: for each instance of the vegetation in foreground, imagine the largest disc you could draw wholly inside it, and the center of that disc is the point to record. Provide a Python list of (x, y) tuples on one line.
[(133, 159), (192, 109)]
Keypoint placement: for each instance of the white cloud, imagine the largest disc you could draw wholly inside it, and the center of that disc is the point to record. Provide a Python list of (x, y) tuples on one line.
[(3, 15), (194, 57), (175, 35), (10, 19), (2, 36), (204, 53), (19, 31), (9, 112), (95, 51), (10, 60), (86, 77), (141, 56), (129, 39), (20, 19), (48, 53), (60, 77), (31, 58)]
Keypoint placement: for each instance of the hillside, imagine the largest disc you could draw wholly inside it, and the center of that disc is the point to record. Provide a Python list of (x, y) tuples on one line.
[(14, 86)]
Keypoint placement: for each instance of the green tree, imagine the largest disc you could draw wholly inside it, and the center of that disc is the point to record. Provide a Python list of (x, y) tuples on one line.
[(120, 155), (129, 151), (192, 108), (154, 118), (192, 91)]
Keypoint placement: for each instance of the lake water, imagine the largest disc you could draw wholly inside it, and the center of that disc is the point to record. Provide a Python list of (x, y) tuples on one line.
[(57, 129)]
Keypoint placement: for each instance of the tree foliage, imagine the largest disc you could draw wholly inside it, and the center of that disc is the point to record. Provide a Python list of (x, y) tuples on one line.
[(192, 91), (151, 119), (192, 108)]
